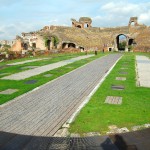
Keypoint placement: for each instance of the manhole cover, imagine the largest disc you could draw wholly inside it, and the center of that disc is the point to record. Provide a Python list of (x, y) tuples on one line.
[(117, 87), (30, 81)]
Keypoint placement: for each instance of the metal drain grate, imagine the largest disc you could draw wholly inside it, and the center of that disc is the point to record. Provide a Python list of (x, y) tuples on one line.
[(30, 81), (117, 87)]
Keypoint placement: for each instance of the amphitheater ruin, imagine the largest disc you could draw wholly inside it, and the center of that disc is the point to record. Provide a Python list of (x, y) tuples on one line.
[(83, 37)]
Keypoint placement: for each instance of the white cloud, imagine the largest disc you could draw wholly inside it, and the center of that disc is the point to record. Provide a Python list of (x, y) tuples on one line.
[(145, 17), (119, 13)]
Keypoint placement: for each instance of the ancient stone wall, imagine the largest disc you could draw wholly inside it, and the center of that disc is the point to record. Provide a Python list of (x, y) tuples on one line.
[(137, 36)]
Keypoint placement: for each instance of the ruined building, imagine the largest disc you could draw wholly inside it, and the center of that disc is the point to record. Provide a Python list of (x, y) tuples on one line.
[(82, 36)]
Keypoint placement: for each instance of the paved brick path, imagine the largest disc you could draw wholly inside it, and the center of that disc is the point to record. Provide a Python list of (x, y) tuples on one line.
[(32, 72), (44, 110), (143, 68), (26, 61)]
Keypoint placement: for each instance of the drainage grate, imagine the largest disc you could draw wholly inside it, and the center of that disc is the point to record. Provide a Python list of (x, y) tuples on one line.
[(30, 81), (113, 100), (117, 87)]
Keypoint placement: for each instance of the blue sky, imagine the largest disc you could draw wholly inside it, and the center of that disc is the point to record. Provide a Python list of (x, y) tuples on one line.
[(31, 15)]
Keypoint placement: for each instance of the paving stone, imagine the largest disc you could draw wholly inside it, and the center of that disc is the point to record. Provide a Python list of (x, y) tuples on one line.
[(112, 127), (41, 69), (147, 125), (113, 100), (69, 67), (92, 134), (135, 128), (118, 130), (123, 68), (47, 75), (123, 72), (62, 133), (9, 91), (121, 78), (117, 87), (27, 61), (74, 135), (66, 125), (30, 81), (143, 71)]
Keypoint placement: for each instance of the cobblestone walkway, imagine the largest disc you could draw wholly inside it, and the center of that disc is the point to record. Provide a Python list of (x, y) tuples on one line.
[(32, 72), (44, 110), (143, 69)]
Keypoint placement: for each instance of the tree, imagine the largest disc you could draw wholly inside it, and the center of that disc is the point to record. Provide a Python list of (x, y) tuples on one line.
[(122, 45)]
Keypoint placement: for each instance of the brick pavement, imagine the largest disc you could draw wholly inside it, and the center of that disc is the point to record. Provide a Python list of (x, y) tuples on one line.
[(44, 110)]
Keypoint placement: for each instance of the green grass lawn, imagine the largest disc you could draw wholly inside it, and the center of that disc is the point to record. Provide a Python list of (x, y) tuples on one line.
[(96, 116), (23, 88)]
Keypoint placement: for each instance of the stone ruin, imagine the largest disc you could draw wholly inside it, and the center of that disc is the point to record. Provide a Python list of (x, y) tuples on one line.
[(82, 22), (83, 37)]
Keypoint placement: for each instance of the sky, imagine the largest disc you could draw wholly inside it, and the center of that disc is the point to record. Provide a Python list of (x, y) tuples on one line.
[(17, 16)]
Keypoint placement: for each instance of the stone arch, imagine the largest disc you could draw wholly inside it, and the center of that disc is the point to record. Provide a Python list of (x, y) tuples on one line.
[(25, 46), (119, 39), (133, 21), (71, 45), (78, 26), (131, 41), (48, 43), (81, 48), (64, 45), (34, 45)]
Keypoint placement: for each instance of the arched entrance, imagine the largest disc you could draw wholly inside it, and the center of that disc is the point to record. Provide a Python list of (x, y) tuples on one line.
[(25, 46), (64, 45), (86, 25), (71, 45), (34, 45), (48, 43), (79, 26), (121, 41)]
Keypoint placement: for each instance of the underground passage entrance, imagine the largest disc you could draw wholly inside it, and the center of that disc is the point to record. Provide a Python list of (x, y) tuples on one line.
[(121, 42)]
